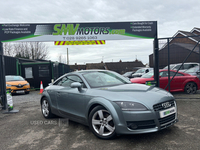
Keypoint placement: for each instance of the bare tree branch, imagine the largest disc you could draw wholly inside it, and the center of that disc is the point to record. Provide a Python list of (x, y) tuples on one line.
[(29, 50)]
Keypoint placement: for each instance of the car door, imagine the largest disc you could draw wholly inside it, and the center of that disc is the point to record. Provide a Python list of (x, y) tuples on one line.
[(163, 79), (177, 81), (71, 101)]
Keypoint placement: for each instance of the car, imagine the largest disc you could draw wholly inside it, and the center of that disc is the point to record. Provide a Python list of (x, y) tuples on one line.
[(141, 72), (181, 82), (128, 74), (17, 84), (184, 67), (195, 71), (109, 103)]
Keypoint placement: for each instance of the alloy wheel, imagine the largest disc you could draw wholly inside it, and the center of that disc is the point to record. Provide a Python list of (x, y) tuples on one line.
[(190, 88), (45, 108), (102, 123)]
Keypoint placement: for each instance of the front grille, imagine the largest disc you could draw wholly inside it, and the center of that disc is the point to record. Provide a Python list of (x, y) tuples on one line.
[(167, 119), (159, 107), (134, 125), (17, 86)]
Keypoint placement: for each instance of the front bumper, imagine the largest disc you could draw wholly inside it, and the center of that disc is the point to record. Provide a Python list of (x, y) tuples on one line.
[(15, 89), (144, 123), (137, 122)]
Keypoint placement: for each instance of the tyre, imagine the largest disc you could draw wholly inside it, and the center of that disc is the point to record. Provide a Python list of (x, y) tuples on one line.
[(101, 123), (190, 88), (46, 109), (27, 92)]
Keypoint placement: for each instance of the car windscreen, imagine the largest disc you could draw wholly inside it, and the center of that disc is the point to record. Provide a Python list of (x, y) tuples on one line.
[(127, 73), (140, 71), (14, 78), (192, 70), (103, 78), (148, 75), (171, 66)]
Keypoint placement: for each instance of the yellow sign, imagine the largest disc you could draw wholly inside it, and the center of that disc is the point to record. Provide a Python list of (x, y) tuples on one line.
[(98, 42)]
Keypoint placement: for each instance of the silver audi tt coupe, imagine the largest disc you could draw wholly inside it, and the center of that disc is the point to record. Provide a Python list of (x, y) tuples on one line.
[(109, 103)]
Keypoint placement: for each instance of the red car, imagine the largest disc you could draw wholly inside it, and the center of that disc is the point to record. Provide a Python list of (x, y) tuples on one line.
[(181, 82)]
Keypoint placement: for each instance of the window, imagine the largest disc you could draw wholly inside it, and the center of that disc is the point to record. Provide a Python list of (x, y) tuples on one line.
[(68, 80), (28, 72), (44, 71), (163, 74), (177, 67), (103, 78), (173, 73)]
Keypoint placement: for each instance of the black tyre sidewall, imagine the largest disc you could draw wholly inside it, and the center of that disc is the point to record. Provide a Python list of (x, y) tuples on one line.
[(113, 135)]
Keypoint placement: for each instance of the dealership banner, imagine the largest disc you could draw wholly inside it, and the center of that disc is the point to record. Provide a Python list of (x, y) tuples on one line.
[(45, 32), (98, 42)]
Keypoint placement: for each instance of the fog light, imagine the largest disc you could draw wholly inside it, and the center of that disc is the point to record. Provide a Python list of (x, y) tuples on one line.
[(132, 126)]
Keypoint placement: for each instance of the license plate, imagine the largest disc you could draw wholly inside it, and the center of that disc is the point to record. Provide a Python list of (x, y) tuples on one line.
[(167, 112), (21, 91)]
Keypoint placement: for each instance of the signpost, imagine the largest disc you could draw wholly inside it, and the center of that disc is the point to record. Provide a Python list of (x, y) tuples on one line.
[(45, 32)]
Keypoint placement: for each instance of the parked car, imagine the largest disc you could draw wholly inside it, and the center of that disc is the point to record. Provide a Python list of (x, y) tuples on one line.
[(128, 74), (109, 103), (141, 72), (184, 67), (17, 84), (181, 82), (195, 71)]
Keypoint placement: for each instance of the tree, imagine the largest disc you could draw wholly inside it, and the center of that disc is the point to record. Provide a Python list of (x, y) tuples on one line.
[(28, 50), (8, 49)]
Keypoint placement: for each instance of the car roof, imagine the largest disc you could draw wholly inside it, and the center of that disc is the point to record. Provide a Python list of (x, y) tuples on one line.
[(87, 71)]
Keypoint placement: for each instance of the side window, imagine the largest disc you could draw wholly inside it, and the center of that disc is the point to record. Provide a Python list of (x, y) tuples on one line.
[(68, 80), (179, 74), (163, 74), (74, 78), (194, 65), (172, 73), (58, 82), (187, 66), (178, 66)]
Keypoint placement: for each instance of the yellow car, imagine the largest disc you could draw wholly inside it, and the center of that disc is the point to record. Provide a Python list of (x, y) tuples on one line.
[(17, 84)]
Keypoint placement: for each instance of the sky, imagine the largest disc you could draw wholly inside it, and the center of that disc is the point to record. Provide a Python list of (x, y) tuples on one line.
[(171, 16)]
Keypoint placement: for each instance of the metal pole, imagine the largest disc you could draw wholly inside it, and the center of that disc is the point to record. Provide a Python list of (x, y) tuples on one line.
[(156, 61), (168, 64), (2, 78), (67, 57), (199, 57)]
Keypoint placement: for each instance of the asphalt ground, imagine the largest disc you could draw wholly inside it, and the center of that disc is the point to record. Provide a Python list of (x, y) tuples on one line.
[(27, 130)]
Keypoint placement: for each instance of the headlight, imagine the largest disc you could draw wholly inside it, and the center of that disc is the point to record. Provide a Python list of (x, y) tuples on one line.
[(27, 84), (8, 85), (131, 106)]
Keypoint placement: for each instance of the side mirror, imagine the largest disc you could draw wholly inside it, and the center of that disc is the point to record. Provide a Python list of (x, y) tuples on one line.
[(76, 85)]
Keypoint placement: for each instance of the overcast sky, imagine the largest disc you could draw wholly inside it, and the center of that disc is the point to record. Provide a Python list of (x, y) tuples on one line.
[(170, 15)]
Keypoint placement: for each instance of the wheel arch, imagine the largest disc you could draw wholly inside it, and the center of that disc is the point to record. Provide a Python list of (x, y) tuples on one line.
[(106, 104)]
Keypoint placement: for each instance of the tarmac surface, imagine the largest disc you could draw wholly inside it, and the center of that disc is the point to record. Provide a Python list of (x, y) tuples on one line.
[(28, 129)]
